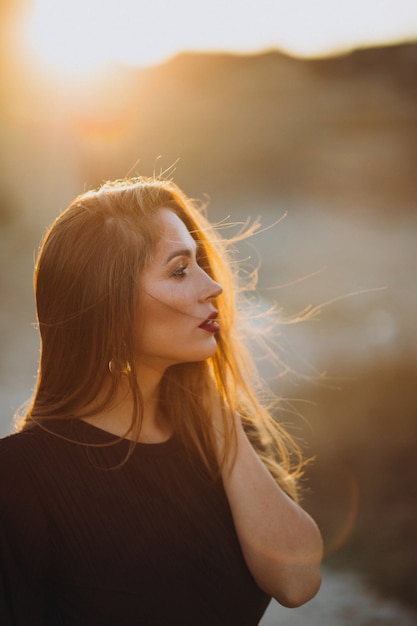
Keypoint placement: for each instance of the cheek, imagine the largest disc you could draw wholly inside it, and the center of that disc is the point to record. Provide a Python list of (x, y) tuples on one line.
[(162, 318), (168, 300)]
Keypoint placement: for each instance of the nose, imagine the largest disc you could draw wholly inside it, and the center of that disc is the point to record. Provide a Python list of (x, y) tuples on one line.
[(211, 289)]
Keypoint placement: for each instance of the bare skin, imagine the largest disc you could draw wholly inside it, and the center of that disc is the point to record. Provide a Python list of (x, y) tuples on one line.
[(117, 418), (280, 542), (177, 296)]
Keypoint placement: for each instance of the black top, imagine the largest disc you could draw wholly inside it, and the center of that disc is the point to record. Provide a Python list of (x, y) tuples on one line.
[(86, 543)]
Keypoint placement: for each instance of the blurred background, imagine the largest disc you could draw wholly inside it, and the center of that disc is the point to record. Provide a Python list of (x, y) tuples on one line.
[(294, 110)]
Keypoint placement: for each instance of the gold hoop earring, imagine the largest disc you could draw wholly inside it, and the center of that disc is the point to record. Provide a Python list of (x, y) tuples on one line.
[(113, 369)]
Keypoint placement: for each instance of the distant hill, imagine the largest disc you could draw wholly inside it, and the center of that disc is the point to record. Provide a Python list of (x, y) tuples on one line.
[(340, 129), (333, 140)]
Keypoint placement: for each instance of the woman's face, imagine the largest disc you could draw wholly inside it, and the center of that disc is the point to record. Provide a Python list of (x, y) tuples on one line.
[(177, 315)]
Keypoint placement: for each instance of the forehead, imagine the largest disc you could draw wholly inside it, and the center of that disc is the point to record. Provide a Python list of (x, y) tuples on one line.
[(172, 232)]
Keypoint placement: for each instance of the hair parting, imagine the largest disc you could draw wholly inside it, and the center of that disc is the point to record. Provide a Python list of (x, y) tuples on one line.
[(87, 294)]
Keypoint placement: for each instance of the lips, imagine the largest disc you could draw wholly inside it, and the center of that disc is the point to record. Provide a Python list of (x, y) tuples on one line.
[(211, 325)]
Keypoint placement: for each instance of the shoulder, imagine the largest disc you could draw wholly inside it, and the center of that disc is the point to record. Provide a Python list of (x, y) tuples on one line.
[(35, 439), (17, 457), (19, 496), (12, 446), (17, 446), (25, 456), (31, 465), (23, 522)]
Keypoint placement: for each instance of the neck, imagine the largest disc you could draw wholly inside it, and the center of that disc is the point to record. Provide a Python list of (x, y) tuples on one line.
[(117, 417)]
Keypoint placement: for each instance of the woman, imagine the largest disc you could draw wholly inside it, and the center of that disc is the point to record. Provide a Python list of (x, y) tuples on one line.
[(147, 485)]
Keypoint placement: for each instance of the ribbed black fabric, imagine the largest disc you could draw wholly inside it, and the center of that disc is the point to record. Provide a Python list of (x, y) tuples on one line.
[(150, 543)]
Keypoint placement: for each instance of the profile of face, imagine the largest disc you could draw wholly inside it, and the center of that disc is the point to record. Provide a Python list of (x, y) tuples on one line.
[(176, 320)]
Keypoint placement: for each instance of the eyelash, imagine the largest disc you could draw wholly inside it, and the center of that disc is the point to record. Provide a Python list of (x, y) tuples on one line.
[(180, 272)]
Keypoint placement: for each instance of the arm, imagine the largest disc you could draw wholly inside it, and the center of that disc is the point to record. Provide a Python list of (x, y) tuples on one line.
[(280, 542)]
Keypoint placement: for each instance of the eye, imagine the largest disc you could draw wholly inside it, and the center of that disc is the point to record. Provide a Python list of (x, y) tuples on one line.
[(180, 272)]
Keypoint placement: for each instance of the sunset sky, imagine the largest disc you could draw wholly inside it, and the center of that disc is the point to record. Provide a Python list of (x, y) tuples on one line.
[(83, 35)]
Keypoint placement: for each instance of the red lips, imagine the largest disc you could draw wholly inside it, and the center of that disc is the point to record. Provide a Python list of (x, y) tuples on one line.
[(210, 324)]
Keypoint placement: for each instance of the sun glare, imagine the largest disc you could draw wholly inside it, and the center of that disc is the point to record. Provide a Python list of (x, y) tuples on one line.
[(78, 37), (81, 37), (61, 36)]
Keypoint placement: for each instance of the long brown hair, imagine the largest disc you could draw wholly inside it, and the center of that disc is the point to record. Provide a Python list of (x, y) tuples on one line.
[(87, 295)]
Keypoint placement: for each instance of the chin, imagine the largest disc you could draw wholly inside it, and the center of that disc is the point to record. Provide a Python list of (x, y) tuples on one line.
[(211, 351), (202, 356)]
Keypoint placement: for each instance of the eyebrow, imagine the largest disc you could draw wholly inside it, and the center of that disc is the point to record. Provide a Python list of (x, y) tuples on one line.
[(188, 252)]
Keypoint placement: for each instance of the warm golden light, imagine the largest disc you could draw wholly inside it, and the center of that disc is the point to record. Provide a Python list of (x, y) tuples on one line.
[(63, 37), (81, 36)]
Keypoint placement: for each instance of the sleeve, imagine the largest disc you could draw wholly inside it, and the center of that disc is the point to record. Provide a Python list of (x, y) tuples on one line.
[(24, 551)]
